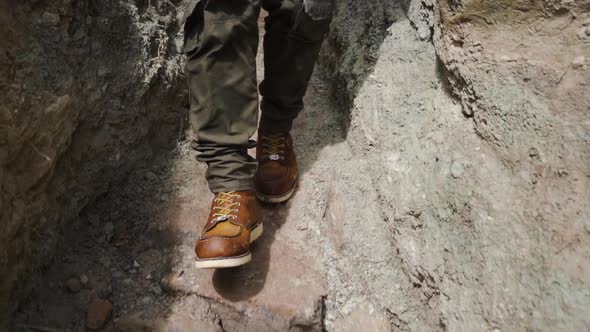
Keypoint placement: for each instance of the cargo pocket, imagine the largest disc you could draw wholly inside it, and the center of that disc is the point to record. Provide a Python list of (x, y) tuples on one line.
[(217, 19)]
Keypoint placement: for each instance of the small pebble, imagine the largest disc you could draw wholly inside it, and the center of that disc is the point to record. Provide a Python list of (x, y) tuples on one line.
[(109, 227), (156, 289), (151, 176), (583, 32), (84, 279), (79, 34), (579, 62), (73, 285), (468, 112), (98, 313), (135, 263), (50, 18), (146, 300), (457, 169), (105, 261), (104, 290)]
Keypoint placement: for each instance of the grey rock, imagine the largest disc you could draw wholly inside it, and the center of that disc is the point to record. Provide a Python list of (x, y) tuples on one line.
[(59, 148), (73, 285), (151, 176), (109, 227), (366, 258), (457, 169), (583, 33), (146, 300), (157, 290), (84, 279), (51, 19), (79, 34), (579, 62)]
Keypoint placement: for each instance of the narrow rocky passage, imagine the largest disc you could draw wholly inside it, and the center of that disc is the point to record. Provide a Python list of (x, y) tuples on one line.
[(135, 247), (324, 260), (406, 217)]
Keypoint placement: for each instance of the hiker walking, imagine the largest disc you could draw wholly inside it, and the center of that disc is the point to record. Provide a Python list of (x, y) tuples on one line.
[(221, 41)]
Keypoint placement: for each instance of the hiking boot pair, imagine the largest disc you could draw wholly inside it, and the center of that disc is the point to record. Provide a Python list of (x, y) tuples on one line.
[(235, 221)]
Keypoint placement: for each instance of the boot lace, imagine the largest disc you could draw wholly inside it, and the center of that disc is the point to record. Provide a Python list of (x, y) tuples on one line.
[(226, 206), (273, 146)]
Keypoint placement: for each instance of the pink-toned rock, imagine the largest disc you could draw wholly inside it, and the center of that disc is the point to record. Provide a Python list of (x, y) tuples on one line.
[(98, 313), (363, 318), (283, 284)]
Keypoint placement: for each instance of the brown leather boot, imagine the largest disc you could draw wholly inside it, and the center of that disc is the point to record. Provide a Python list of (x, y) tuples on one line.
[(276, 177), (234, 222)]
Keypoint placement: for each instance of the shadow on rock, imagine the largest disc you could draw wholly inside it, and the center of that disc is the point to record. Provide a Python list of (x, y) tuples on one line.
[(244, 282)]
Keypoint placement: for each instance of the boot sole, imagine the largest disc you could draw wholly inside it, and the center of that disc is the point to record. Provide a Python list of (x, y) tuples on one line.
[(276, 199), (220, 263)]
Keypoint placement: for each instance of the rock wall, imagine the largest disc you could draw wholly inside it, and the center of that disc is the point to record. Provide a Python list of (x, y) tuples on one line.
[(351, 48), (464, 205), (449, 192), (90, 90)]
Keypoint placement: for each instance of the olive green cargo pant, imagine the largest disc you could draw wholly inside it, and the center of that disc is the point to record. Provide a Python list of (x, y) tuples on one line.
[(221, 40)]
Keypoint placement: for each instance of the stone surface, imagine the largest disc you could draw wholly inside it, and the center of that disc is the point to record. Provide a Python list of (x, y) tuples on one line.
[(444, 238), (363, 318), (445, 190), (156, 224), (522, 75), (73, 285), (90, 91), (284, 279), (98, 313)]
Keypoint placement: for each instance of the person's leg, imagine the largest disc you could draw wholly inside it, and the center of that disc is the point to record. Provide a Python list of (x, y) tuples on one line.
[(294, 33), (295, 30), (221, 39)]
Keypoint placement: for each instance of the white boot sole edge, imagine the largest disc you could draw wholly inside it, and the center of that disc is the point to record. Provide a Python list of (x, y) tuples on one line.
[(277, 199), (234, 261)]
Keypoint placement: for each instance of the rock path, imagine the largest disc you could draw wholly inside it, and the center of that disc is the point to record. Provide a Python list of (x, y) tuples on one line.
[(404, 219)]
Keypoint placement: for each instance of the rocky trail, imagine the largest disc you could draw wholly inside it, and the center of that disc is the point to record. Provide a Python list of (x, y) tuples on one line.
[(430, 199), (135, 247)]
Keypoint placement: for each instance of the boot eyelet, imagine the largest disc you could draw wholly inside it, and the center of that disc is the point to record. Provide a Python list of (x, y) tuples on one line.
[(234, 217), (239, 204)]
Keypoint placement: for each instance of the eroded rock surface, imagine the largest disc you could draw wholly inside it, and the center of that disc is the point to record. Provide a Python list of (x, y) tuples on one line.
[(476, 221), (446, 188), (90, 89)]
